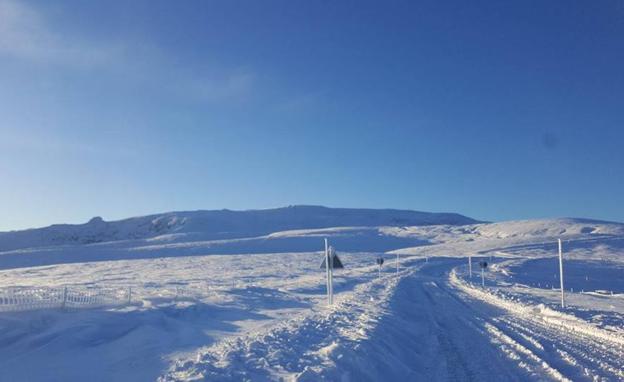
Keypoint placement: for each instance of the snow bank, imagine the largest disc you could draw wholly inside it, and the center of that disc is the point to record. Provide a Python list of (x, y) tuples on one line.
[(563, 321)]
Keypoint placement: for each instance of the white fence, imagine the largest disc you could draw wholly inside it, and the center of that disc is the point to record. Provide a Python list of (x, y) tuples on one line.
[(31, 298), (13, 299)]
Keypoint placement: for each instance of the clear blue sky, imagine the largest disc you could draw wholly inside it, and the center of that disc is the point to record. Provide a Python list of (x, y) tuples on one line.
[(495, 109)]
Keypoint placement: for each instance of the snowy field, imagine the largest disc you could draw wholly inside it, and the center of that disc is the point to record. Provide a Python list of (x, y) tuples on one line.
[(200, 311), (179, 304)]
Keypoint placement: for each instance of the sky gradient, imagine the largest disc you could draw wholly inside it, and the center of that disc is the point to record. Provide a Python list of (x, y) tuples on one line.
[(496, 110)]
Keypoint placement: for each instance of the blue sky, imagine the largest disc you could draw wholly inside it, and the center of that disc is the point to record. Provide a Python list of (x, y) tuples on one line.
[(497, 110)]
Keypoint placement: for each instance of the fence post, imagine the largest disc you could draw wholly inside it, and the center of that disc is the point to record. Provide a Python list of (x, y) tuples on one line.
[(129, 295)]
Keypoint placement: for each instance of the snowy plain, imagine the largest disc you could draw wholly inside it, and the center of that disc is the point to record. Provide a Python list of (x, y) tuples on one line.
[(250, 304)]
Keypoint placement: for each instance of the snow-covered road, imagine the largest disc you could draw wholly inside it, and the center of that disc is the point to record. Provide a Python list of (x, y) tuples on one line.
[(419, 326), (430, 333), (461, 338)]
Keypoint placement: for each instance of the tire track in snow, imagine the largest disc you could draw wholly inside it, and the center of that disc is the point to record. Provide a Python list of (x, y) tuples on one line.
[(580, 352), (528, 360), (460, 333), (533, 365), (575, 353)]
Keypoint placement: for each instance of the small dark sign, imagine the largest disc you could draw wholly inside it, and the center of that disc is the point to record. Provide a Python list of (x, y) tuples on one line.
[(483, 264), (335, 262), (380, 260)]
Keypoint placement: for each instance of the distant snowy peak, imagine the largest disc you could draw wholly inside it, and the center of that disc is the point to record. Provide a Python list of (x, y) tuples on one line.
[(222, 224)]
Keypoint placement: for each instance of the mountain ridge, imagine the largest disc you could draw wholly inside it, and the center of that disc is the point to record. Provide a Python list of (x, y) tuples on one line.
[(222, 224)]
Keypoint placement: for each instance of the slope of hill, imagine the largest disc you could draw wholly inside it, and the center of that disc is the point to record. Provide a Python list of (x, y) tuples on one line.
[(221, 224), (254, 308)]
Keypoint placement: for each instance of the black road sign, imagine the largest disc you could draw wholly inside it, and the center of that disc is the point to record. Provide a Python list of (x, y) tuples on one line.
[(336, 263), (483, 264), (380, 260)]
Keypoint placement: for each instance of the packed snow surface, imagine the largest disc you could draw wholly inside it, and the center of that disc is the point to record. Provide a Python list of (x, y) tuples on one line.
[(247, 302)]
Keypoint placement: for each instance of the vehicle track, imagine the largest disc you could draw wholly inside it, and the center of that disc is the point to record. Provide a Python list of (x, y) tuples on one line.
[(572, 354)]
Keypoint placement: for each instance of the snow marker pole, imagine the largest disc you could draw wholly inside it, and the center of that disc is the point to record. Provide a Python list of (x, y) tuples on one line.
[(327, 272), (470, 265), (331, 276), (482, 279), (561, 274)]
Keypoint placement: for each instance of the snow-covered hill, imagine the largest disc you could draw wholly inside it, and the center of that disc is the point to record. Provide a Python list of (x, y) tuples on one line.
[(221, 224), (252, 232), (223, 295)]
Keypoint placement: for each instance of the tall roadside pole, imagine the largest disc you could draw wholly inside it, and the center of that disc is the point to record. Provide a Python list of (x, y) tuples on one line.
[(328, 274), (561, 274), (331, 275), (482, 277), (470, 265)]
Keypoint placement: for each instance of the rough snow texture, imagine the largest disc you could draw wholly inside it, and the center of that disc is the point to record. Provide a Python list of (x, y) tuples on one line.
[(253, 307)]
